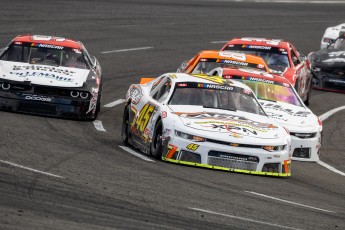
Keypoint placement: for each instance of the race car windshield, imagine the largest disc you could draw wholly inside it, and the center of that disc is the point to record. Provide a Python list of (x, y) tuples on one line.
[(45, 55), (216, 97), (276, 58), (271, 91), (205, 65)]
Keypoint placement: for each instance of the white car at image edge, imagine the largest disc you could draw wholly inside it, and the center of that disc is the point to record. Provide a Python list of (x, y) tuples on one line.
[(331, 33)]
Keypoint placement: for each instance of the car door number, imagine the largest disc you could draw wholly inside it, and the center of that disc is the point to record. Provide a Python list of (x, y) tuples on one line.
[(145, 114)]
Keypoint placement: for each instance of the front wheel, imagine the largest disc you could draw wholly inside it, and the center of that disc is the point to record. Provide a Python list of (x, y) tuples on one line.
[(156, 144)]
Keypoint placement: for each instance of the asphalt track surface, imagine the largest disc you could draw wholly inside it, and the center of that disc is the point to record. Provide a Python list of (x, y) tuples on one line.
[(97, 185)]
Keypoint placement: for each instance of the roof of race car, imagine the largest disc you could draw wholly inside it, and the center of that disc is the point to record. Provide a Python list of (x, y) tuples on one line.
[(259, 41), (231, 56), (228, 72), (203, 78), (51, 40)]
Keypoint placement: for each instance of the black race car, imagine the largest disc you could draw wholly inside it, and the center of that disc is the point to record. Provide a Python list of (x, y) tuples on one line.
[(50, 76), (328, 66)]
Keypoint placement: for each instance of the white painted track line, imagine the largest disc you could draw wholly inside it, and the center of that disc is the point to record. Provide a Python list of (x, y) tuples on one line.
[(289, 202), (126, 50), (330, 168), (243, 219), (326, 115), (115, 103), (136, 154), (30, 169), (99, 125)]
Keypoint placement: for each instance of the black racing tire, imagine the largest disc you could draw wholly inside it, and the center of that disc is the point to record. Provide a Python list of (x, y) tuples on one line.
[(156, 144), (125, 126)]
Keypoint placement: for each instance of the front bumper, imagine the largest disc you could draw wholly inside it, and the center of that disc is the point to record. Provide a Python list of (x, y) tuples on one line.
[(225, 157), (306, 149), (329, 81), (52, 106)]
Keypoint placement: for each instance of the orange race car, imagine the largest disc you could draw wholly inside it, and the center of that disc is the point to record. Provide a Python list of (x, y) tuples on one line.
[(207, 60), (281, 57)]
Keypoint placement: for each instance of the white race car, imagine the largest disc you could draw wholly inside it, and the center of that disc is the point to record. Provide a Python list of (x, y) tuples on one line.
[(209, 123), (281, 102), (331, 33)]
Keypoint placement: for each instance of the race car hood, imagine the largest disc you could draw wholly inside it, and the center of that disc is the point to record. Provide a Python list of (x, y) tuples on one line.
[(329, 59), (294, 118), (43, 74), (223, 124)]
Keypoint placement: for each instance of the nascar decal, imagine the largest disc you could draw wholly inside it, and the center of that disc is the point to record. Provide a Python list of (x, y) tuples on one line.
[(226, 119), (135, 94), (232, 62), (47, 46), (257, 47), (291, 112), (213, 86)]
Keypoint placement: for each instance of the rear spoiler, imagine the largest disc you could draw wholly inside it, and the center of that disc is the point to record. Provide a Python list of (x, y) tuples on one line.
[(145, 80)]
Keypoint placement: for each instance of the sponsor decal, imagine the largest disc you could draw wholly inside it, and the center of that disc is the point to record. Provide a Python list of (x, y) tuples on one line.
[(276, 116), (136, 94), (43, 72), (288, 111), (260, 47), (192, 147), (233, 128), (225, 119), (37, 98), (43, 68), (44, 75), (47, 46), (232, 62)]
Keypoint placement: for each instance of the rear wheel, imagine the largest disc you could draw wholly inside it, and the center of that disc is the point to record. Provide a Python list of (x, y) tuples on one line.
[(125, 126), (156, 144)]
